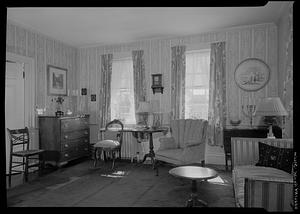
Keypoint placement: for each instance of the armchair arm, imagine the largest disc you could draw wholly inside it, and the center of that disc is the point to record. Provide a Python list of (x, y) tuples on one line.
[(269, 193), (167, 143)]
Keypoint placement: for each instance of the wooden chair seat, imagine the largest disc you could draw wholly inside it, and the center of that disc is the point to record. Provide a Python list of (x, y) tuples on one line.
[(27, 153)]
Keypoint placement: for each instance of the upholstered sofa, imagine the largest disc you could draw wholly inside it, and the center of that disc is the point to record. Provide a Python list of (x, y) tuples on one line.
[(260, 186)]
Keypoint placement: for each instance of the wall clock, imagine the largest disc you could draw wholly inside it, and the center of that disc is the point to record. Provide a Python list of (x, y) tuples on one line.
[(252, 74)]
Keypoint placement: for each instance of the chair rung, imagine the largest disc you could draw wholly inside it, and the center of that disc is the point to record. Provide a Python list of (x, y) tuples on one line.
[(15, 173), (32, 165), (17, 166), (21, 171)]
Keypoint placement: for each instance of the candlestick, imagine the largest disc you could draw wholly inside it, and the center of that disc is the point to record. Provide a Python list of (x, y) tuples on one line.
[(249, 112)]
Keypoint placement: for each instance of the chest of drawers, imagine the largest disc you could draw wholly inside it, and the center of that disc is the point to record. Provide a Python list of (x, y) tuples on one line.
[(64, 138)]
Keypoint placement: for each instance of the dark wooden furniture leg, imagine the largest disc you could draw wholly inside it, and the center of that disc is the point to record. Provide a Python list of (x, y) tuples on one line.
[(194, 200), (226, 161), (151, 153)]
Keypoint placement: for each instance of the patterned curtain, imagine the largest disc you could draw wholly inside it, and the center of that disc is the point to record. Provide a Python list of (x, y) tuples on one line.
[(177, 82), (105, 88), (139, 77), (217, 94), (139, 84)]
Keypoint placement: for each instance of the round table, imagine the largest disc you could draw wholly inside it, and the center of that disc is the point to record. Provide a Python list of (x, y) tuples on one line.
[(194, 173)]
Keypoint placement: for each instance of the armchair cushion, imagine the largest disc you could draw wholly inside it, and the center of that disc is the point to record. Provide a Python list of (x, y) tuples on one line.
[(271, 156)]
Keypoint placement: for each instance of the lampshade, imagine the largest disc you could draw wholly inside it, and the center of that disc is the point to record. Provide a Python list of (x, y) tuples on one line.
[(144, 107), (271, 106)]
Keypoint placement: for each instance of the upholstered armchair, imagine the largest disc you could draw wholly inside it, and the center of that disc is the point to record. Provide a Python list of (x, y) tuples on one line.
[(186, 145)]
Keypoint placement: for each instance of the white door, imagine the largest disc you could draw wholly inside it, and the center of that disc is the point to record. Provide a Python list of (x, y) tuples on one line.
[(14, 101)]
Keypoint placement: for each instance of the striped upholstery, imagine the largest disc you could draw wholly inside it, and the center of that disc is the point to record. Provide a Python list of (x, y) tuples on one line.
[(271, 195), (244, 151), (256, 186)]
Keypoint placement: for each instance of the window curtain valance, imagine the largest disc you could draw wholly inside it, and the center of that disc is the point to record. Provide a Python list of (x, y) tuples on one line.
[(105, 89), (217, 94), (177, 82)]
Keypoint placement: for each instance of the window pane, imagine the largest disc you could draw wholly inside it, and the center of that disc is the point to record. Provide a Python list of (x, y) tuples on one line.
[(197, 84), (122, 95)]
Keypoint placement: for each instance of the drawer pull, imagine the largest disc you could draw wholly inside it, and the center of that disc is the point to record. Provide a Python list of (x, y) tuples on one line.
[(66, 145), (85, 140), (86, 132), (66, 125), (66, 136), (66, 155)]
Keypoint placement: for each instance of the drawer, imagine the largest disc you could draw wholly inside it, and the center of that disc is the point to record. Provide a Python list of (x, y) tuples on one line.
[(69, 154), (65, 145), (75, 152), (74, 124), (67, 136), (83, 150)]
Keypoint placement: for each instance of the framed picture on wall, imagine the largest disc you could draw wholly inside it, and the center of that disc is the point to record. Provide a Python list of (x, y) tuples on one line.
[(252, 74), (56, 80)]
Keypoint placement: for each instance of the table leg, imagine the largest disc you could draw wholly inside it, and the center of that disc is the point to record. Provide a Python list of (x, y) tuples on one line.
[(151, 153), (194, 201)]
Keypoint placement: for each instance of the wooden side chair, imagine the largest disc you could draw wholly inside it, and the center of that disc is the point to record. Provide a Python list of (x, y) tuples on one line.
[(111, 143), (19, 149)]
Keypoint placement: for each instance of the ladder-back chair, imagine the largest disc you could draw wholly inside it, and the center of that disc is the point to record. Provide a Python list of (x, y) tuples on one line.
[(19, 149)]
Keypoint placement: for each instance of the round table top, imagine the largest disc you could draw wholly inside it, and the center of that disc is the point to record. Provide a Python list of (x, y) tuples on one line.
[(193, 172)]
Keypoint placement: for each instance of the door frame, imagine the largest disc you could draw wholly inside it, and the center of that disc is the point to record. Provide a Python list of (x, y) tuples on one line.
[(29, 87)]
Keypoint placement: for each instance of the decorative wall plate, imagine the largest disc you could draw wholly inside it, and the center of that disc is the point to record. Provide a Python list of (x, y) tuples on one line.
[(252, 74)]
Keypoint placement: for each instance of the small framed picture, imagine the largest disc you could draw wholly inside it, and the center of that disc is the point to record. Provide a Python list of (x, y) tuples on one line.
[(83, 91), (156, 79), (93, 97), (56, 80)]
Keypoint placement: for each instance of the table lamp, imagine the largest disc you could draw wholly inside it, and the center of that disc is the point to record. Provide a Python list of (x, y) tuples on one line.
[(271, 107), (143, 112)]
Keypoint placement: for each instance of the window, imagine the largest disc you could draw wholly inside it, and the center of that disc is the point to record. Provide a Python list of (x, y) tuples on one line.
[(197, 84), (122, 94)]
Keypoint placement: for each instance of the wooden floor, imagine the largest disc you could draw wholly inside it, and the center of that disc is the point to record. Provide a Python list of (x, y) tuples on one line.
[(129, 185)]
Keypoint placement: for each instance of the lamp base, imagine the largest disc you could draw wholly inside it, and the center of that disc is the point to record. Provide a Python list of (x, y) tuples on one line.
[(270, 134)]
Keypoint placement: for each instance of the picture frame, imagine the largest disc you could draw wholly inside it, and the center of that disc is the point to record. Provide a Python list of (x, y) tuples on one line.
[(252, 74), (157, 83), (156, 79), (56, 80)]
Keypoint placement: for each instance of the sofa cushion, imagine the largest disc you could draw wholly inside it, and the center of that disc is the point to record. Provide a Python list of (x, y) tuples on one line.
[(271, 156), (249, 171)]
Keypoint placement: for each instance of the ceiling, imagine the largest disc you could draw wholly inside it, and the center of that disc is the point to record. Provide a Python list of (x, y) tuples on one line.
[(88, 26)]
